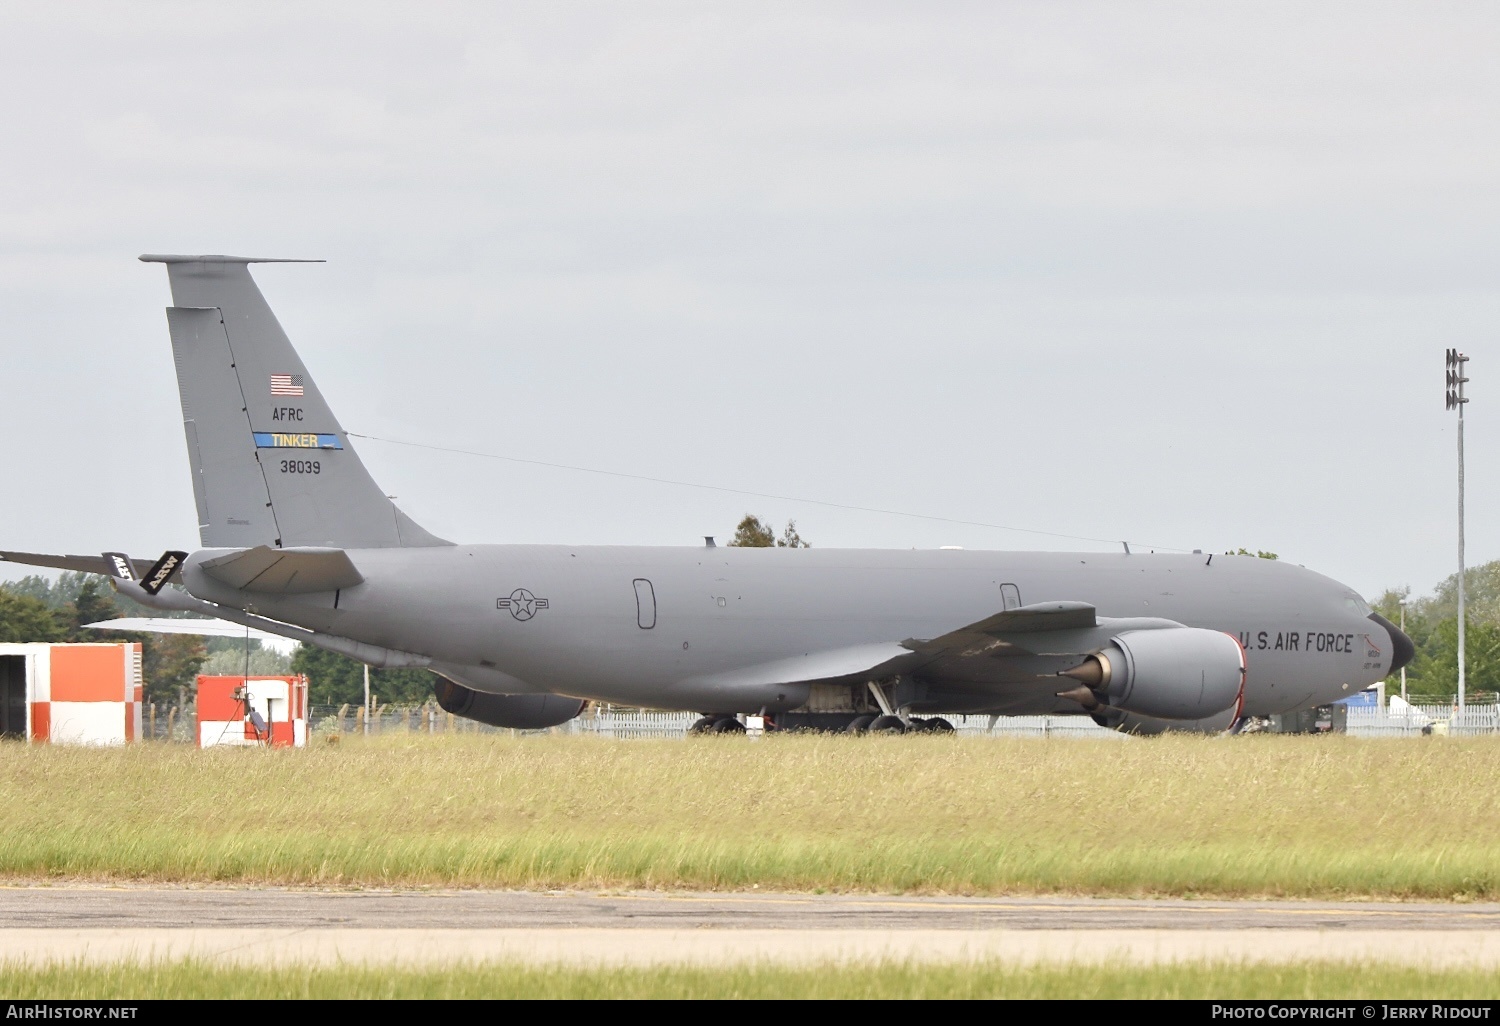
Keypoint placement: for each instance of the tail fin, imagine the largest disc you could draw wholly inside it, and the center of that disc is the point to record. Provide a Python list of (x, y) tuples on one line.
[(271, 465)]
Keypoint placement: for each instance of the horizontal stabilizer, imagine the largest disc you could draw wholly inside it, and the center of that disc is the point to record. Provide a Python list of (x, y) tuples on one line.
[(99, 564), (211, 258), (201, 627), (297, 571)]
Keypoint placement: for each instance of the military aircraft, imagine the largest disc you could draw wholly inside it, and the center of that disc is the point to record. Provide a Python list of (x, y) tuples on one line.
[(299, 541)]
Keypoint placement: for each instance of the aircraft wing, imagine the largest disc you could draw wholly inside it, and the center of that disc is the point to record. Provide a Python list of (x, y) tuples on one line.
[(88, 564), (1022, 645), (293, 571), (1012, 646)]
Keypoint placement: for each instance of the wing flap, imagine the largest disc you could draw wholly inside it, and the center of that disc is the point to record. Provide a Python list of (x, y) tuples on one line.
[(866, 662), (985, 637)]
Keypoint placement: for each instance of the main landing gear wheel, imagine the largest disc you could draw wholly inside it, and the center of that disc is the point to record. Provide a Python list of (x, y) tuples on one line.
[(887, 725), (859, 724), (937, 725), (727, 725), (702, 725)]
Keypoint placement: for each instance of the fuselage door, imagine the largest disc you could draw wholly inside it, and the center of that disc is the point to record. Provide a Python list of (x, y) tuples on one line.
[(1010, 596), (645, 604)]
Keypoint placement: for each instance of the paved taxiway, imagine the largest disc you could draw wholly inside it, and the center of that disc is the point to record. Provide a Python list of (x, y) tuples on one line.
[(241, 908), (253, 925)]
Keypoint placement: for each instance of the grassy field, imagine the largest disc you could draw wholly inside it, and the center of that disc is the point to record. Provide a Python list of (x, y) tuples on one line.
[(1218, 981), (1259, 815)]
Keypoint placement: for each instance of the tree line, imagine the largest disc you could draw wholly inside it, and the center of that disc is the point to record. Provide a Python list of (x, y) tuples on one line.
[(35, 609), (1432, 624)]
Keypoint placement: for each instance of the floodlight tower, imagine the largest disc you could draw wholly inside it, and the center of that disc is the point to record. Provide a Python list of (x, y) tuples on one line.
[(1455, 401)]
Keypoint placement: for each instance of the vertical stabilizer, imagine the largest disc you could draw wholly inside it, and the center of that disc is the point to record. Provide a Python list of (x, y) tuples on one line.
[(271, 465)]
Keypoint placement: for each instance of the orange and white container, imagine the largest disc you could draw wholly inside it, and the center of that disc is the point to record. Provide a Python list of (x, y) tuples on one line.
[(252, 711), (83, 694)]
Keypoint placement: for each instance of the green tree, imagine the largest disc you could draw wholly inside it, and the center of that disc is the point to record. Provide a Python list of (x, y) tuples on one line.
[(755, 533), (1432, 624), (33, 586), (333, 679), (1434, 668), (92, 603), (231, 662), (55, 593), (1259, 553), (26, 618), (65, 590), (1481, 595), (790, 539), (170, 663)]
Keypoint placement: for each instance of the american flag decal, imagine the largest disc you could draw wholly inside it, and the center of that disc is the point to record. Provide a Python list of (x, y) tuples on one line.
[(286, 384)]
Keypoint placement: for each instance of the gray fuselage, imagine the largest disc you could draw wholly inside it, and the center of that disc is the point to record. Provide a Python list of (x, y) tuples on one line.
[(575, 620)]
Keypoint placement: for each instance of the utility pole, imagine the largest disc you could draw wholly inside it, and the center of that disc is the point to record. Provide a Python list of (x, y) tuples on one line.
[(1455, 400)]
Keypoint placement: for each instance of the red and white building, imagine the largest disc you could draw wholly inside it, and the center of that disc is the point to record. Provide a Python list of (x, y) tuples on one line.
[(252, 711), (88, 694)]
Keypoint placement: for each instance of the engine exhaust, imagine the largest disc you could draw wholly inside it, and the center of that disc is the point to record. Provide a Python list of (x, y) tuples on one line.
[(1094, 671), (1084, 696)]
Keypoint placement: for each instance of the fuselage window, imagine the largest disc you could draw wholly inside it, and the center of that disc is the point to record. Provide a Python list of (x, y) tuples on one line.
[(645, 604), (1010, 596)]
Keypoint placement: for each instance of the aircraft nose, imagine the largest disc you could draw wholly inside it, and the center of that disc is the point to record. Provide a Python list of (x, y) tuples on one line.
[(1401, 647)]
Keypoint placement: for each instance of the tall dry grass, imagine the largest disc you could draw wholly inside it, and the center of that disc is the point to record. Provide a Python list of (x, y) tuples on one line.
[(1224, 981), (1293, 816)]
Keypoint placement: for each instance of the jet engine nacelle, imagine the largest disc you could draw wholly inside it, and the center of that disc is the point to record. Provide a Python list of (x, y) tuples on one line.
[(1176, 673), (521, 712)]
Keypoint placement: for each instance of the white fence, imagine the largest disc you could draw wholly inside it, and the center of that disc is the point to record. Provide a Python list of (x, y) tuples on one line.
[(632, 724), (1420, 719), (644, 724), (1423, 719)]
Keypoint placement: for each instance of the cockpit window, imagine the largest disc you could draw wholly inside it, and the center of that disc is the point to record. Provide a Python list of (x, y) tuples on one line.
[(1357, 604)]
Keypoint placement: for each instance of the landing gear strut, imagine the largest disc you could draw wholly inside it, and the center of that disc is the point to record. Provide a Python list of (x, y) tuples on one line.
[(716, 724)]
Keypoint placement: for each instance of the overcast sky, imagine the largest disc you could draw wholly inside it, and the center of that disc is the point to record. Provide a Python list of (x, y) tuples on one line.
[(1180, 274)]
